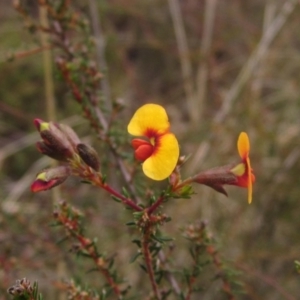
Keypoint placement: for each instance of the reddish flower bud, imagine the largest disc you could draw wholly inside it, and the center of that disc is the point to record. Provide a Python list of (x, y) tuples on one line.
[(70, 134), (49, 151), (89, 156), (240, 174), (56, 140), (50, 178), (38, 123), (216, 178)]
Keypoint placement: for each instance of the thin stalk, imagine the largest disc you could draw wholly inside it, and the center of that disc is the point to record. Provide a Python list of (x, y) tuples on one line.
[(185, 62), (155, 205), (100, 52), (148, 261), (48, 81), (126, 201), (190, 288), (23, 54), (47, 64), (202, 73), (269, 14)]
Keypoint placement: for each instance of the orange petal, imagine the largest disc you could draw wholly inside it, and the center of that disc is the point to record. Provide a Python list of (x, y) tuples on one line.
[(249, 178), (163, 161), (149, 117), (243, 145)]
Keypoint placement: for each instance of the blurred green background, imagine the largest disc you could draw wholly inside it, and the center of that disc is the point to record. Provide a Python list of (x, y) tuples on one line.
[(218, 67)]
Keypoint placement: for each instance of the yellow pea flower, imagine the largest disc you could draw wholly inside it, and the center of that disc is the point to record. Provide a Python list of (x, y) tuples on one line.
[(159, 152)]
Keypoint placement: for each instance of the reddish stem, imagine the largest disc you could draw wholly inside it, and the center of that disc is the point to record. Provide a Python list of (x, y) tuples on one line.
[(23, 54), (190, 288), (95, 178), (155, 205), (125, 200), (148, 261)]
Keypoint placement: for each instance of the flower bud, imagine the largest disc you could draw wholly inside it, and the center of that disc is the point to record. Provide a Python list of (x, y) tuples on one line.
[(39, 123), (216, 178), (70, 134), (55, 139), (89, 156), (49, 151), (50, 178)]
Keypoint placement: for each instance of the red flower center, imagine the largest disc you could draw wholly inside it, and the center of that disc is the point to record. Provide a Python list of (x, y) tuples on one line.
[(142, 149)]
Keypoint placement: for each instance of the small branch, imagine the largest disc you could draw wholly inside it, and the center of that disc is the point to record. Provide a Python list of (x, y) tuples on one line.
[(190, 288), (87, 173), (148, 261), (23, 54), (125, 200), (155, 205)]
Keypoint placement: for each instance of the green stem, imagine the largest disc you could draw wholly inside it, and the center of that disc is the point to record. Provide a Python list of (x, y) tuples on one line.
[(183, 183)]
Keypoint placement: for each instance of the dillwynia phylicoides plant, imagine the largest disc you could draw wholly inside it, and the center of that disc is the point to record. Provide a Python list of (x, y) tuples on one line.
[(158, 151)]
